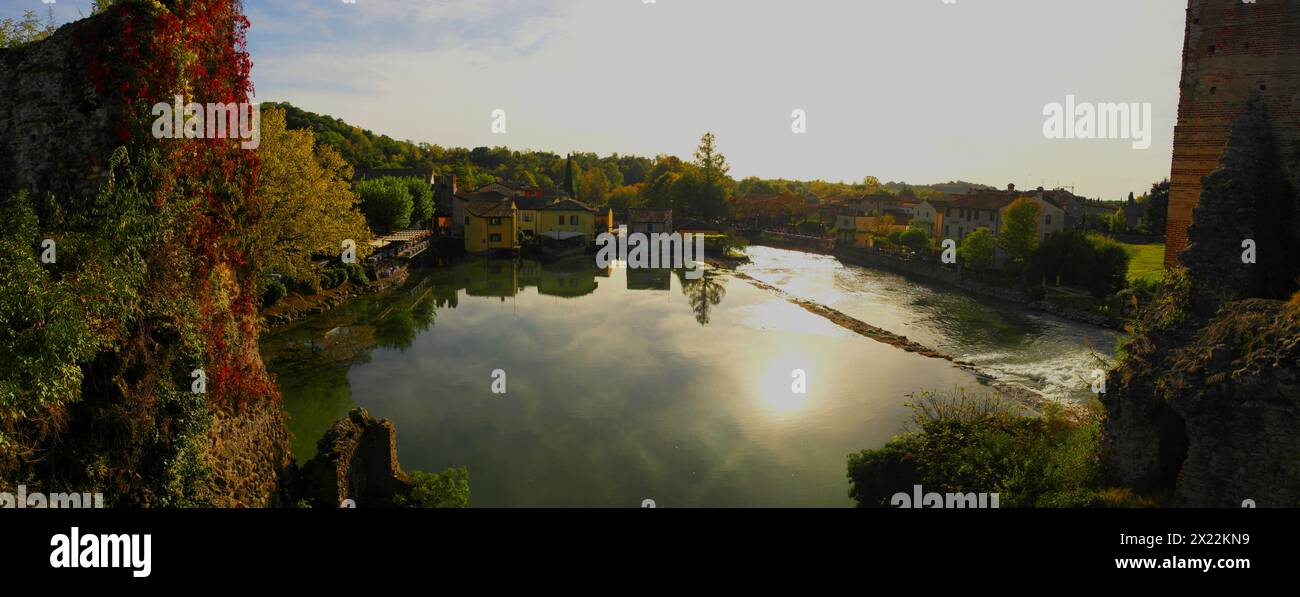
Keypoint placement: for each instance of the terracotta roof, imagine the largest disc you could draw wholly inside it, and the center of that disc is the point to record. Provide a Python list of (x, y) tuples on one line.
[(568, 205), (487, 208), (532, 203), (485, 196), (984, 199), (649, 214)]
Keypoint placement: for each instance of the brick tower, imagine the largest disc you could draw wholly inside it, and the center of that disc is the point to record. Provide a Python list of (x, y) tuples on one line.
[(1231, 51)]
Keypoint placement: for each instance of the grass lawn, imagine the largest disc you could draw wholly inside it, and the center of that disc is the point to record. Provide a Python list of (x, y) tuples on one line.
[(1148, 261)]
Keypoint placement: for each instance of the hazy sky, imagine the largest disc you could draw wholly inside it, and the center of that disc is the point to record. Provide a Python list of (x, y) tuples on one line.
[(914, 90)]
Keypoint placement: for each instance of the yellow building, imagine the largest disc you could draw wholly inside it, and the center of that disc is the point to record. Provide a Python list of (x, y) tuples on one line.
[(568, 215), (490, 226), (604, 221), (852, 231), (528, 217)]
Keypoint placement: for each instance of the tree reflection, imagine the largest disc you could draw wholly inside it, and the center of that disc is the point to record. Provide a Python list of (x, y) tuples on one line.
[(703, 293)]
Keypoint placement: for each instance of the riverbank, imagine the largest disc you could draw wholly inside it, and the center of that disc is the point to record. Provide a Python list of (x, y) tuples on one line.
[(296, 306), (931, 272)]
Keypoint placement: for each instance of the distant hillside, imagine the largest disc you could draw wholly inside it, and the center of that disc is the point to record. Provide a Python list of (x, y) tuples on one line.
[(481, 165), (955, 187)]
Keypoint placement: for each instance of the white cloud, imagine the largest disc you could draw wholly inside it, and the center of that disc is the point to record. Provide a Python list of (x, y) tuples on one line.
[(898, 89)]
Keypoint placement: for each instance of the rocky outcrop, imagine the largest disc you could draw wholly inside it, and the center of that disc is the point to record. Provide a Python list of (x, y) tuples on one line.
[(1237, 388), (1205, 405), (249, 460), (356, 460)]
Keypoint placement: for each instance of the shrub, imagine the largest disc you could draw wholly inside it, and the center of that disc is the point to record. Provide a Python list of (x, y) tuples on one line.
[(356, 274), (1092, 262), (978, 444), (449, 489), (915, 239), (273, 293)]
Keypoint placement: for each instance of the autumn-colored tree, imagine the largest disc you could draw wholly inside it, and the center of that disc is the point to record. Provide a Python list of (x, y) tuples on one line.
[(881, 225), (593, 187), (310, 208)]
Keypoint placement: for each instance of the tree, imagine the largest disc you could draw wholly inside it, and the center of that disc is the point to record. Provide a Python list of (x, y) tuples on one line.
[(1116, 221), (915, 239), (1020, 231), (593, 187), (15, 33), (1156, 208), (880, 225), (976, 250), (624, 197), (421, 200), (386, 202), (713, 168), (309, 208)]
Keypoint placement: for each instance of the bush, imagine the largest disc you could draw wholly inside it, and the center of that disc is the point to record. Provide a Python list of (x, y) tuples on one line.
[(356, 274), (915, 239), (1092, 262), (273, 293), (449, 489), (978, 444)]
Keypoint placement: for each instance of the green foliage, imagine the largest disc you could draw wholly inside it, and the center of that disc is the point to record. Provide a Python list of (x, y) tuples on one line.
[(275, 290), (915, 239), (386, 202), (976, 444), (44, 333), (1155, 207), (20, 32), (421, 200), (1089, 261), (449, 489), (976, 250), (1020, 230)]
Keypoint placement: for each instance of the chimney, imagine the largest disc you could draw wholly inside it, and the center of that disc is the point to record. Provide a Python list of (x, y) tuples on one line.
[(1011, 187)]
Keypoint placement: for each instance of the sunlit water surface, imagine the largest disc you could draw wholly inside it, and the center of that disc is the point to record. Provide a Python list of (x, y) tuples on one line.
[(626, 385)]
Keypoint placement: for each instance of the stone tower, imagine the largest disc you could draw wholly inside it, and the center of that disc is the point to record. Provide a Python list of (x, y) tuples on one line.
[(1232, 50)]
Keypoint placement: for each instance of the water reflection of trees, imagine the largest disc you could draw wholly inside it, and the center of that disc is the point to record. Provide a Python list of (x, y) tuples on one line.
[(703, 293), (310, 361)]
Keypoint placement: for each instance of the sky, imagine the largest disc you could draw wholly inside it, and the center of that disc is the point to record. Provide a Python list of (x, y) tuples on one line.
[(921, 91)]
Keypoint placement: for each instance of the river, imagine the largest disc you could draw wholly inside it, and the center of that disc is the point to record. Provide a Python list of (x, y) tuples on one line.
[(625, 385)]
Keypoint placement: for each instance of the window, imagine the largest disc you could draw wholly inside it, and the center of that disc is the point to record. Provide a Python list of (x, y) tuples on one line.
[(494, 221), (1049, 219), (496, 238), (528, 217), (561, 220), (573, 220), (467, 220)]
